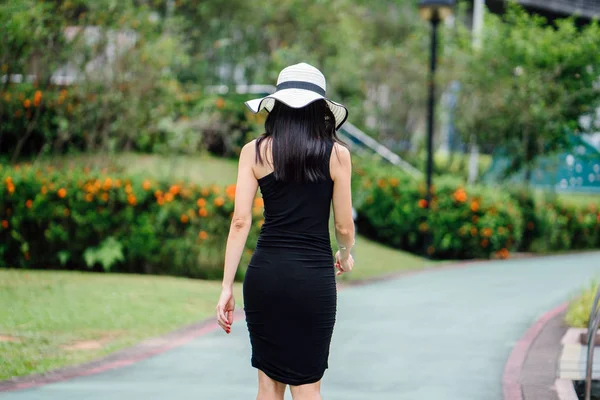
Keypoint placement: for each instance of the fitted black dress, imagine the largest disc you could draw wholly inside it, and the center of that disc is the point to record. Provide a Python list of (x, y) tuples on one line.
[(289, 289)]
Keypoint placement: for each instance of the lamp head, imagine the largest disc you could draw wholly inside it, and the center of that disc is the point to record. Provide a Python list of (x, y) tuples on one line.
[(435, 10)]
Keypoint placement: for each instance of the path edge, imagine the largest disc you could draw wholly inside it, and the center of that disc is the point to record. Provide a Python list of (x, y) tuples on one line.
[(120, 358), (511, 378)]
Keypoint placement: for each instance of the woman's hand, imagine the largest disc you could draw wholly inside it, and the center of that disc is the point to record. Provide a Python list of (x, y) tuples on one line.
[(225, 308), (343, 265)]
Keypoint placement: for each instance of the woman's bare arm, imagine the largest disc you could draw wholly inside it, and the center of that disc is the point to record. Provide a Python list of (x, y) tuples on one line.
[(341, 171), (245, 191)]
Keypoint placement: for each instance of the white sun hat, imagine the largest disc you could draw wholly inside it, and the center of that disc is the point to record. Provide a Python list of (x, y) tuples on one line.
[(298, 86)]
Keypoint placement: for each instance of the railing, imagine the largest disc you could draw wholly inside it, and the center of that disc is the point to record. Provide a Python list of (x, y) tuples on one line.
[(593, 323), (351, 132)]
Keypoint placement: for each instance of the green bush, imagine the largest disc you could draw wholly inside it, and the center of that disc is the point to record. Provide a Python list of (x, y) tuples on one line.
[(101, 220), (578, 313), (464, 222)]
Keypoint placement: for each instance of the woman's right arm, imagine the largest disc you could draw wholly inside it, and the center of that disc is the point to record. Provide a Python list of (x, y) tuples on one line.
[(341, 171)]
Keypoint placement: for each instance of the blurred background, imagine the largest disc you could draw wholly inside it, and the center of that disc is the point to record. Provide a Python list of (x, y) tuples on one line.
[(121, 122)]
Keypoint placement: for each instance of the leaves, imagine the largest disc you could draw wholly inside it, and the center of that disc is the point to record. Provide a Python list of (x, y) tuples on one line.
[(107, 254)]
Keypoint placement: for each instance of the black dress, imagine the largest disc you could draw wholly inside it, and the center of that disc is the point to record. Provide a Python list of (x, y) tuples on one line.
[(289, 289)]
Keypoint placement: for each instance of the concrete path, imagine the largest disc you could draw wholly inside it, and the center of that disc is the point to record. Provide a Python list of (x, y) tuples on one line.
[(438, 335)]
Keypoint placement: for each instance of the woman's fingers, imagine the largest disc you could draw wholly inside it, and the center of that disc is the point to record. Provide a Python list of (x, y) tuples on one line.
[(222, 319), (230, 317)]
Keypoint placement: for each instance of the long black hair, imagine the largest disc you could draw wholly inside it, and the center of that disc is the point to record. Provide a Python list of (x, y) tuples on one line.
[(300, 139)]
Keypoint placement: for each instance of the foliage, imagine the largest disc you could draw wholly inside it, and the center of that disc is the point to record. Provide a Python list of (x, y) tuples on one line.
[(53, 319), (91, 75), (77, 217), (528, 83), (466, 221), (578, 313)]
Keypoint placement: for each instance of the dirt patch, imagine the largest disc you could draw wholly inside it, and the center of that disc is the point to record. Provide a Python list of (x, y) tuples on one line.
[(8, 338), (94, 344)]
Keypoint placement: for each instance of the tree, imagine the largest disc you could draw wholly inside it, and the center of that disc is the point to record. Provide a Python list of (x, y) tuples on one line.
[(528, 83)]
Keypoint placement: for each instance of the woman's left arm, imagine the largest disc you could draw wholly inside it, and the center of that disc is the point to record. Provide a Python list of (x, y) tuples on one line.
[(245, 191)]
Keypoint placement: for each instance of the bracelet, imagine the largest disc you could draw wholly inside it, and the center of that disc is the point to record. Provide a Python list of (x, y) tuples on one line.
[(346, 248)]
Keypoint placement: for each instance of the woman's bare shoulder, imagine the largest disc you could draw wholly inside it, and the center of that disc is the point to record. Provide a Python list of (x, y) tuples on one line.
[(341, 153)]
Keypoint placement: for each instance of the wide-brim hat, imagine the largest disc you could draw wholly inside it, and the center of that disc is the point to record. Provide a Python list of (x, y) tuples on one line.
[(298, 86)]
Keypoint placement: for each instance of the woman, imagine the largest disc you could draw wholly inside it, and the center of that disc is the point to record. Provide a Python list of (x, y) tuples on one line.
[(289, 287)]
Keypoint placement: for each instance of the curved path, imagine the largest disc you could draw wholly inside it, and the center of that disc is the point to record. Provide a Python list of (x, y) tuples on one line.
[(438, 335)]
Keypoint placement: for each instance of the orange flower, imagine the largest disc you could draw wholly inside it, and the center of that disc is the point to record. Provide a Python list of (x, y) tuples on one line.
[(37, 98), (473, 231), (160, 201), (381, 183), (5, 224), (118, 183), (158, 194), (230, 192), (203, 235), (501, 230), (475, 219), (107, 184), (184, 219), (146, 185), (27, 103), (219, 202), (66, 212), (203, 212), (62, 193), (28, 203), (89, 197), (201, 202), (105, 196), (205, 192), (422, 203), (18, 113), (128, 189), (484, 243), (460, 195), (175, 189), (423, 227), (169, 197), (220, 103), (503, 253), (260, 223), (131, 200), (474, 206), (216, 189), (43, 190), (487, 232), (394, 182), (259, 202)]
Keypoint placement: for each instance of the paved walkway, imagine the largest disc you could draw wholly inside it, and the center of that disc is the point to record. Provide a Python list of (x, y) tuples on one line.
[(438, 335)]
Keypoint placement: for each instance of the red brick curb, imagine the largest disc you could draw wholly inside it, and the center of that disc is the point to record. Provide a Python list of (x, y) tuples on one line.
[(511, 379)]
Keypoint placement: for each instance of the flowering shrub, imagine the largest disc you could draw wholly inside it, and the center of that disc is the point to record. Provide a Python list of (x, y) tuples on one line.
[(465, 222), (100, 219)]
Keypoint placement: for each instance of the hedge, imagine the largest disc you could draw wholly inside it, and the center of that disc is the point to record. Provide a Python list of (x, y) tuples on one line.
[(102, 220), (466, 221)]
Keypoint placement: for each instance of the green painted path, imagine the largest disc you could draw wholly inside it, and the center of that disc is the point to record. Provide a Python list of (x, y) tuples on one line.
[(438, 335)]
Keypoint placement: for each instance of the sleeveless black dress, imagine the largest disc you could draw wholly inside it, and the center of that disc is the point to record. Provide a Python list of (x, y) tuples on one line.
[(290, 295)]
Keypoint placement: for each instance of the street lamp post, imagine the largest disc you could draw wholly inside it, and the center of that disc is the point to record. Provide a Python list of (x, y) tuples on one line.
[(434, 11)]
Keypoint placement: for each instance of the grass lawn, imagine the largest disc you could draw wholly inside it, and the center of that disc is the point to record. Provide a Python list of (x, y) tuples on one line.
[(50, 319)]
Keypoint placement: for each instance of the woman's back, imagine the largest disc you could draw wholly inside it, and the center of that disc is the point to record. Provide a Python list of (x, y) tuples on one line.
[(297, 214)]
